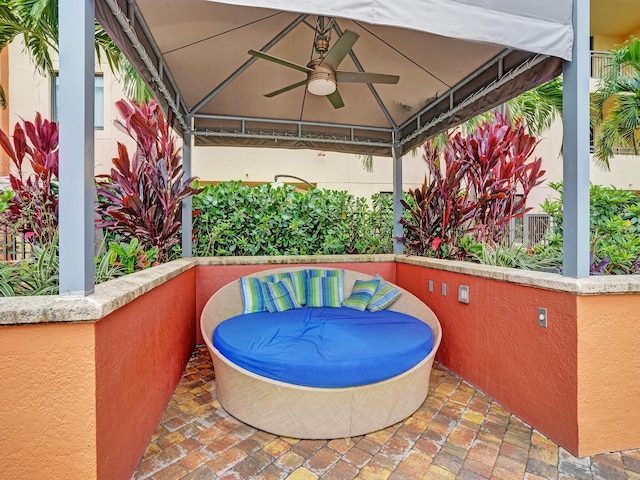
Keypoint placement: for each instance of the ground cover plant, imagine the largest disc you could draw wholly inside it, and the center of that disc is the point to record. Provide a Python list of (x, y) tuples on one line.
[(232, 219)]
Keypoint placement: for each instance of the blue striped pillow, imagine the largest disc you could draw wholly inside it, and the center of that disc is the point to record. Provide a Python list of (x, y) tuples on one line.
[(298, 280), (279, 296), (252, 297), (361, 295), (324, 292), (337, 273), (385, 295)]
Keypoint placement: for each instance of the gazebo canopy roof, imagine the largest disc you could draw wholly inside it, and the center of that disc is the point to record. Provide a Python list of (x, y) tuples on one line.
[(455, 59)]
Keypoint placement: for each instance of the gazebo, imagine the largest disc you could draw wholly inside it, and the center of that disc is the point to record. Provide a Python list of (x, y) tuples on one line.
[(233, 74), (87, 374)]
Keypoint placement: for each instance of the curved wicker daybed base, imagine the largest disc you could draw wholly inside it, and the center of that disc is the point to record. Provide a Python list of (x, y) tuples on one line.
[(308, 412)]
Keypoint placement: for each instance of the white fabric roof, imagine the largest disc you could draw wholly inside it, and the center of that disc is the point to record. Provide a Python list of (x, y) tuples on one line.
[(541, 26), (455, 59)]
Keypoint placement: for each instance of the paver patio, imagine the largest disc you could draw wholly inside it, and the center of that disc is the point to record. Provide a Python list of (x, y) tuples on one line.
[(458, 432)]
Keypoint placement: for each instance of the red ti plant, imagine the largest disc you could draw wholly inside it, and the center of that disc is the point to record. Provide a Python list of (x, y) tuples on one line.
[(142, 197), (500, 176), (474, 191), (438, 214), (33, 209)]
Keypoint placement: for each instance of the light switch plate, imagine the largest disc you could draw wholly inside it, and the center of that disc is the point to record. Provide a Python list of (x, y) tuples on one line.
[(542, 317), (463, 294)]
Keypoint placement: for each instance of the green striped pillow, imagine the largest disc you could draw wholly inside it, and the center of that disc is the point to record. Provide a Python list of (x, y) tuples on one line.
[(337, 273), (279, 296), (361, 295), (324, 292), (385, 295), (298, 280), (252, 297)]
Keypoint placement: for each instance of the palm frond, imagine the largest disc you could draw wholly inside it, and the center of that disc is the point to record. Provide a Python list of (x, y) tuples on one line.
[(538, 107), (366, 161)]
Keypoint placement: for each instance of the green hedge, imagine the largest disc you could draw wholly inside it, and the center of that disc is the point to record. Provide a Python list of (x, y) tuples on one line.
[(615, 229), (232, 219)]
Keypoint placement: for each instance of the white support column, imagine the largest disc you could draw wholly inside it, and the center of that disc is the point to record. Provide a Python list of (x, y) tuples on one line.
[(187, 218), (397, 196), (576, 252), (77, 189)]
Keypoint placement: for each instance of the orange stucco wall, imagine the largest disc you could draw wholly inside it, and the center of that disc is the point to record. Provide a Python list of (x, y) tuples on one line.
[(494, 342), (47, 402), (81, 400), (141, 352), (609, 372), (211, 278)]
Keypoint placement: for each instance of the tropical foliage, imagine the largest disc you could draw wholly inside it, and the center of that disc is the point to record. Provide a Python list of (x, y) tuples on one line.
[(140, 204), (37, 275), (33, 207), (36, 21), (615, 111), (232, 219), (615, 229), (477, 183), (142, 196)]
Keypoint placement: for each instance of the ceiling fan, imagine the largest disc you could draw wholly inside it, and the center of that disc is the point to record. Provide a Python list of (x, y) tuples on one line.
[(322, 72)]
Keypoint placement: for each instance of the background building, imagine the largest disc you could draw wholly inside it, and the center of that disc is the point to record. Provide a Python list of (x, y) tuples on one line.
[(612, 23)]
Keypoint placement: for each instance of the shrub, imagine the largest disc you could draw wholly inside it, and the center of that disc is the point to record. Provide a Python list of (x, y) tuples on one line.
[(232, 219), (477, 184), (615, 228), (142, 197), (37, 275), (33, 207)]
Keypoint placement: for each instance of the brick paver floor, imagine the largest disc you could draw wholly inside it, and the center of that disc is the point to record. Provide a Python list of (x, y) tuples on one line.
[(458, 432)]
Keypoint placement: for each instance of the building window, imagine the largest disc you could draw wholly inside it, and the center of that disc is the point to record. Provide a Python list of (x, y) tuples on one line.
[(98, 121)]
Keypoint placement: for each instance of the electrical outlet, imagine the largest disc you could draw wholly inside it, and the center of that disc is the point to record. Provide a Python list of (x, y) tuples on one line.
[(444, 289), (431, 285), (542, 317), (463, 294)]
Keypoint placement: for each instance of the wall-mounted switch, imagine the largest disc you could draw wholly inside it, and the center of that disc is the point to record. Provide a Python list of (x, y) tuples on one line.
[(444, 289), (463, 294), (431, 285), (542, 317)]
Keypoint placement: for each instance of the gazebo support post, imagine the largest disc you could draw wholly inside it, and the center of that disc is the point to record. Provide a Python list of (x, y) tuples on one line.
[(397, 196), (187, 217), (77, 188), (576, 231)]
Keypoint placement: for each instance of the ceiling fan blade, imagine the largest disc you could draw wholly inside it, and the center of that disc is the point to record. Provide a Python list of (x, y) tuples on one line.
[(340, 49), (336, 99), (286, 89), (366, 77), (279, 61)]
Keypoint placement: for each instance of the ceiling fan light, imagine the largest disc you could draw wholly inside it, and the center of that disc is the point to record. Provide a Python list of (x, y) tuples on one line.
[(321, 86)]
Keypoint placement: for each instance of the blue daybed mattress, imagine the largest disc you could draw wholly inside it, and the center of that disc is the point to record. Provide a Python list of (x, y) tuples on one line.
[(324, 347)]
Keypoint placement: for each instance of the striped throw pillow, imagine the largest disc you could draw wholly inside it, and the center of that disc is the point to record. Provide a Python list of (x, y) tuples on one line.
[(279, 296), (324, 292), (385, 295), (252, 297), (337, 273), (363, 291), (298, 280)]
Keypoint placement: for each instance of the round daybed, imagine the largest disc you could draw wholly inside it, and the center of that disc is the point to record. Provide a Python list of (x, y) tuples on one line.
[(310, 412)]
